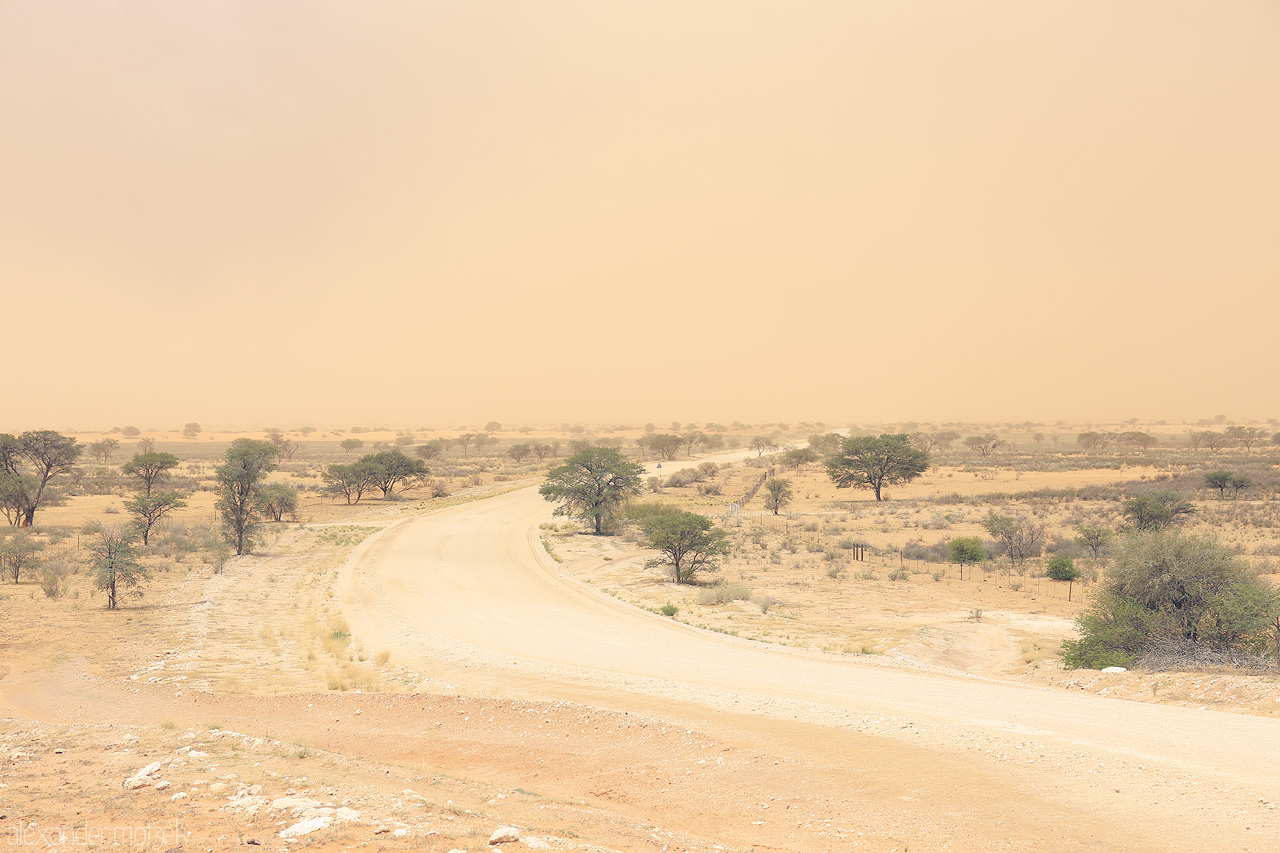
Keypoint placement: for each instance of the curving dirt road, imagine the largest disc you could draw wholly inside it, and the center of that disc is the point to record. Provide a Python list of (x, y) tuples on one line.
[(469, 596)]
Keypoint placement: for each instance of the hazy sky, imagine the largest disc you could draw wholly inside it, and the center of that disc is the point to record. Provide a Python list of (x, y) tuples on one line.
[(422, 212)]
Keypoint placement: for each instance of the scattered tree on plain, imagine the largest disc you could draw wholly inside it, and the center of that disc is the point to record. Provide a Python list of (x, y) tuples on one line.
[(777, 494), (27, 464), (1063, 568), (761, 443), (1019, 537), (689, 542), (1246, 437), (103, 449), (191, 430), (286, 446), (871, 462), (20, 553), (276, 500), (117, 571), (692, 439), (151, 468), (350, 444), (965, 550), (239, 480), (984, 445), (392, 468), (825, 444), (432, 449), (1140, 440), (150, 509), (349, 481), (593, 485), (1156, 510), (1094, 537)]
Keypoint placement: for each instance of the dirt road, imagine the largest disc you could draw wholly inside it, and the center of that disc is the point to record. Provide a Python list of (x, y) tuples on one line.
[(469, 595)]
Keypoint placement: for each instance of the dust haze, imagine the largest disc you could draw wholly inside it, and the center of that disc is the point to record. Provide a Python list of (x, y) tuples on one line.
[(418, 213)]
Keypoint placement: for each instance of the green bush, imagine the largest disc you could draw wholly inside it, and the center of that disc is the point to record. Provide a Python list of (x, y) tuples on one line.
[(1169, 587)]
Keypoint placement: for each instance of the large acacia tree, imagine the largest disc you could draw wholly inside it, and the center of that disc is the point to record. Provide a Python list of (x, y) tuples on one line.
[(873, 462), (592, 485)]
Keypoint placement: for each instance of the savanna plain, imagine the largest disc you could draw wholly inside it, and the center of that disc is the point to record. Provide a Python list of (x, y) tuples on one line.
[(1015, 636)]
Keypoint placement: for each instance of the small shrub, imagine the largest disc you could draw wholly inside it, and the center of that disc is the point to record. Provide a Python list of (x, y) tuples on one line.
[(669, 610), (899, 575), (51, 582)]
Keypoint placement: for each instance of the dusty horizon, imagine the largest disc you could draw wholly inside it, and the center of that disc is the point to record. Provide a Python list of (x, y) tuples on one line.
[(446, 213)]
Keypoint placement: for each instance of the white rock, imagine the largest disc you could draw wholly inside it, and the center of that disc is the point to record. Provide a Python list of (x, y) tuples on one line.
[(504, 835), (136, 782), (148, 770), (1114, 669), (195, 753), (534, 843), (181, 795), (162, 784), (347, 815), (400, 833), (305, 827)]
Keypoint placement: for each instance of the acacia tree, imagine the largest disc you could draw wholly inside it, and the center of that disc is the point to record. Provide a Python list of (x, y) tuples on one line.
[(276, 500), (1156, 510), (777, 493), (761, 443), (391, 468), (691, 439), (349, 481), (150, 468), (1246, 437), (1018, 536), (117, 570), (102, 450), (287, 447), (871, 462), (1063, 568), (1095, 537), (239, 480), (27, 463), (983, 445), (350, 444), (1220, 480), (18, 553), (688, 542), (149, 510), (592, 485), (965, 549)]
